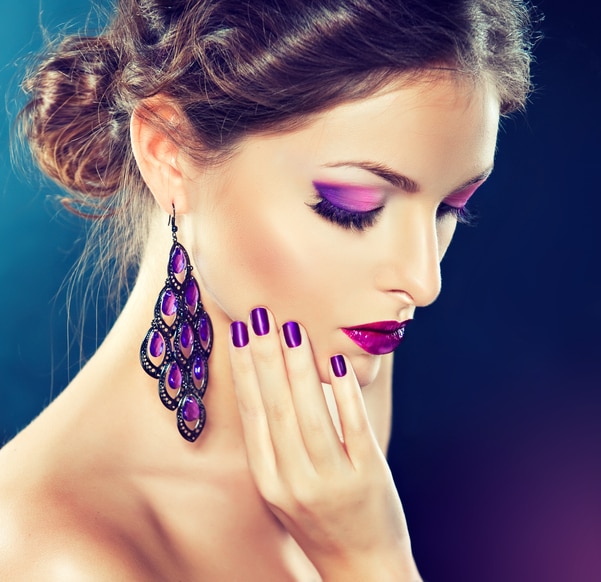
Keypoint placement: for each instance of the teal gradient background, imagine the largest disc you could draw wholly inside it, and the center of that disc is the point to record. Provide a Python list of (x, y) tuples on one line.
[(496, 446)]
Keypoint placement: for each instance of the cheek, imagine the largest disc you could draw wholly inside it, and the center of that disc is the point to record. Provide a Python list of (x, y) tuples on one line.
[(256, 255), (446, 230)]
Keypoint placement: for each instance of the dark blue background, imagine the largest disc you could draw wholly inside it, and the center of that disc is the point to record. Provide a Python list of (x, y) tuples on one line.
[(497, 437)]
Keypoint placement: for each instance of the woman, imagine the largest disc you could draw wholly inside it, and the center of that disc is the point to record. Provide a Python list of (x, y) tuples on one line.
[(286, 177)]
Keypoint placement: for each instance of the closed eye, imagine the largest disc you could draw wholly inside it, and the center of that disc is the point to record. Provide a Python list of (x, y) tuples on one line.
[(461, 214), (349, 219)]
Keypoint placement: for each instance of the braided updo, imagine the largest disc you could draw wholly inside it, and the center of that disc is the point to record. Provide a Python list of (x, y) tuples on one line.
[(237, 67)]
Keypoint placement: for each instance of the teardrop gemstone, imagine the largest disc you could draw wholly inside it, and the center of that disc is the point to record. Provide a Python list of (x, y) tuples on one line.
[(192, 294), (169, 302), (178, 260), (198, 372), (174, 376), (190, 409), (156, 345), (186, 336), (205, 332)]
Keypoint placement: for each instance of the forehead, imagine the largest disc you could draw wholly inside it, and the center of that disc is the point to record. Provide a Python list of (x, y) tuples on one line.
[(438, 130)]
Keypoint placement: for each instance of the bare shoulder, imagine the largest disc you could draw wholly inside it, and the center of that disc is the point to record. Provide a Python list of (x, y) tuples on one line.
[(50, 530), (42, 537)]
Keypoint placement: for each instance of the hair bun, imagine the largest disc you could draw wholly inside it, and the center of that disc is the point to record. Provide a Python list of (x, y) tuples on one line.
[(73, 121)]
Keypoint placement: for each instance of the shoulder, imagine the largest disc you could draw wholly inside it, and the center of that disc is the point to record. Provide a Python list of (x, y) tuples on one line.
[(52, 530), (43, 538)]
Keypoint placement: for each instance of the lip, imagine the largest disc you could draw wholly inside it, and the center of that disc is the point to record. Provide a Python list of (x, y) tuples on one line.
[(379, 338)]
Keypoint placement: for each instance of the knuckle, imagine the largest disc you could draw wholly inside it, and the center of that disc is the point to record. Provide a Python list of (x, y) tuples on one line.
[(309, 497), (314, 425), (298, 366), (265, 350), (251, 410), (272, 493), (242, 367), (279, 412)]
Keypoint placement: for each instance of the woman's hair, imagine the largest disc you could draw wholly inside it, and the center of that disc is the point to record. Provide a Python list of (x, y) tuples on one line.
[(240, 67)]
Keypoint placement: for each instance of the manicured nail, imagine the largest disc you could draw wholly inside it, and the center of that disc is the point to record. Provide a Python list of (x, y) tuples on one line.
[(292, 334), (338, 366), (260, 321), (239, 334)]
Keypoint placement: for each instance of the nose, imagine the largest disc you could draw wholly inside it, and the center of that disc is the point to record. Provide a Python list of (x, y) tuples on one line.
[(412, 259)]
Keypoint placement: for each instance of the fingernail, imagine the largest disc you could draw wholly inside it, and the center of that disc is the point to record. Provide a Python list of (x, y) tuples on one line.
[(338, 366), (239, 334), (260, 321), (292, 334)]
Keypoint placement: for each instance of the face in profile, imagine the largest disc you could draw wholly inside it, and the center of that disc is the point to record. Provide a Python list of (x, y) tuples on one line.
[(344, 221)]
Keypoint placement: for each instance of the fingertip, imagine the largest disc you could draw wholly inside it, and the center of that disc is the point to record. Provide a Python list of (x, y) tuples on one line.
[(259, 319), (338, 365), (292, 334), (239, 334)]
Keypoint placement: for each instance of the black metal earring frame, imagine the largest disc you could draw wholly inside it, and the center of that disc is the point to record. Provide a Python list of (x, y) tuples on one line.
[(177, 346)]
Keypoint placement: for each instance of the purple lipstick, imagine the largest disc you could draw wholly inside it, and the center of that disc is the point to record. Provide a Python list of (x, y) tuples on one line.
[(379, 338)]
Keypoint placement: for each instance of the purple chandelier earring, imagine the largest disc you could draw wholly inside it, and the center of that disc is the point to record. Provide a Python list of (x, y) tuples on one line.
[(177, 346)]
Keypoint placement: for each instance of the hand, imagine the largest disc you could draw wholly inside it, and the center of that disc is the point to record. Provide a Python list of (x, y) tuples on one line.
[(334, 494)]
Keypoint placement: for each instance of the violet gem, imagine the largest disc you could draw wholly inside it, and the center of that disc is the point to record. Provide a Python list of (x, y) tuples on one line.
[(190, 410), (169, 303), (192, 293), (174, 377), (186, 336), (198, 371), (205, 331), (156, 345), (178, 260)]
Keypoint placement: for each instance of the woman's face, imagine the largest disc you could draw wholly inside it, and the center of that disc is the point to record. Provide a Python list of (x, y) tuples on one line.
[(343, 222)]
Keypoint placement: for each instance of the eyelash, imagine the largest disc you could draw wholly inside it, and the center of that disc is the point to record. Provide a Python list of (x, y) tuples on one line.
[(352, 220), (355, 220), (461, 215)]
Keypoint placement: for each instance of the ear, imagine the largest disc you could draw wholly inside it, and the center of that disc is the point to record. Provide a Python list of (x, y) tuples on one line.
[(157, 155)]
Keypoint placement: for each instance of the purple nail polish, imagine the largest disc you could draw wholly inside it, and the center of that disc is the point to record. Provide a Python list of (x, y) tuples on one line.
[(260, 321), (292, 334), (338, 366), (239, 334)]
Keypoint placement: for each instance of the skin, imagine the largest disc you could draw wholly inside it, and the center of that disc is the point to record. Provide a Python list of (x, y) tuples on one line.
[(288, 480)]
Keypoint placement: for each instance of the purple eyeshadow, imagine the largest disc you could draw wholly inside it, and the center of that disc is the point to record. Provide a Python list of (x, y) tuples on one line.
[(351, 198), (459, 199)]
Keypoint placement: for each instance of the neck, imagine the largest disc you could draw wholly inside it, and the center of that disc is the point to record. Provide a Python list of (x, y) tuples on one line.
[(129, 397)]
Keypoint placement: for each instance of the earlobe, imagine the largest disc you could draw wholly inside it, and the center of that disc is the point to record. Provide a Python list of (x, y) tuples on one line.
[(157, 154)]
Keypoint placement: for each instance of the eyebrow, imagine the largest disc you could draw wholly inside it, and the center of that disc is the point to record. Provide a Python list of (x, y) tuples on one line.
[(403, 182)]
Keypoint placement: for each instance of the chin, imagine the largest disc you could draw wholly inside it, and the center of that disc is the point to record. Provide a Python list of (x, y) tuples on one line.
[(366, 369)]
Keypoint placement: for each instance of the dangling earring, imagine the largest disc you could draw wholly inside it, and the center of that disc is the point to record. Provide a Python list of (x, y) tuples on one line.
[(177, 346)]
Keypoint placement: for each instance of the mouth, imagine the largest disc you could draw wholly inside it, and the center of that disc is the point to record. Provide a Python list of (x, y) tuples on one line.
[(379, 338)]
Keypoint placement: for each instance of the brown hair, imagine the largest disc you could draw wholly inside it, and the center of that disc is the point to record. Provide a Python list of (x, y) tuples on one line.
[(236, 67)]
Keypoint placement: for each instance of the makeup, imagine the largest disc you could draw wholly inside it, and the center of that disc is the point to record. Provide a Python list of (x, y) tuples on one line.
[(292, 334), (455, 204), (349, 206), (239, 333), (377, 338), (338, 366), (350, 197), (459, 199), (259, 321)]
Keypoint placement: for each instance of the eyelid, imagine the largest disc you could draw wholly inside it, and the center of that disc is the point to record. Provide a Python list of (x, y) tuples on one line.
[(459, 199), (350, 197)]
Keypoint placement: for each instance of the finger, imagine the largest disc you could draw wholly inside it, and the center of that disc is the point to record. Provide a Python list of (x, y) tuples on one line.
[(259, 449), (272, 376), (358, 436), (314, 419)]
